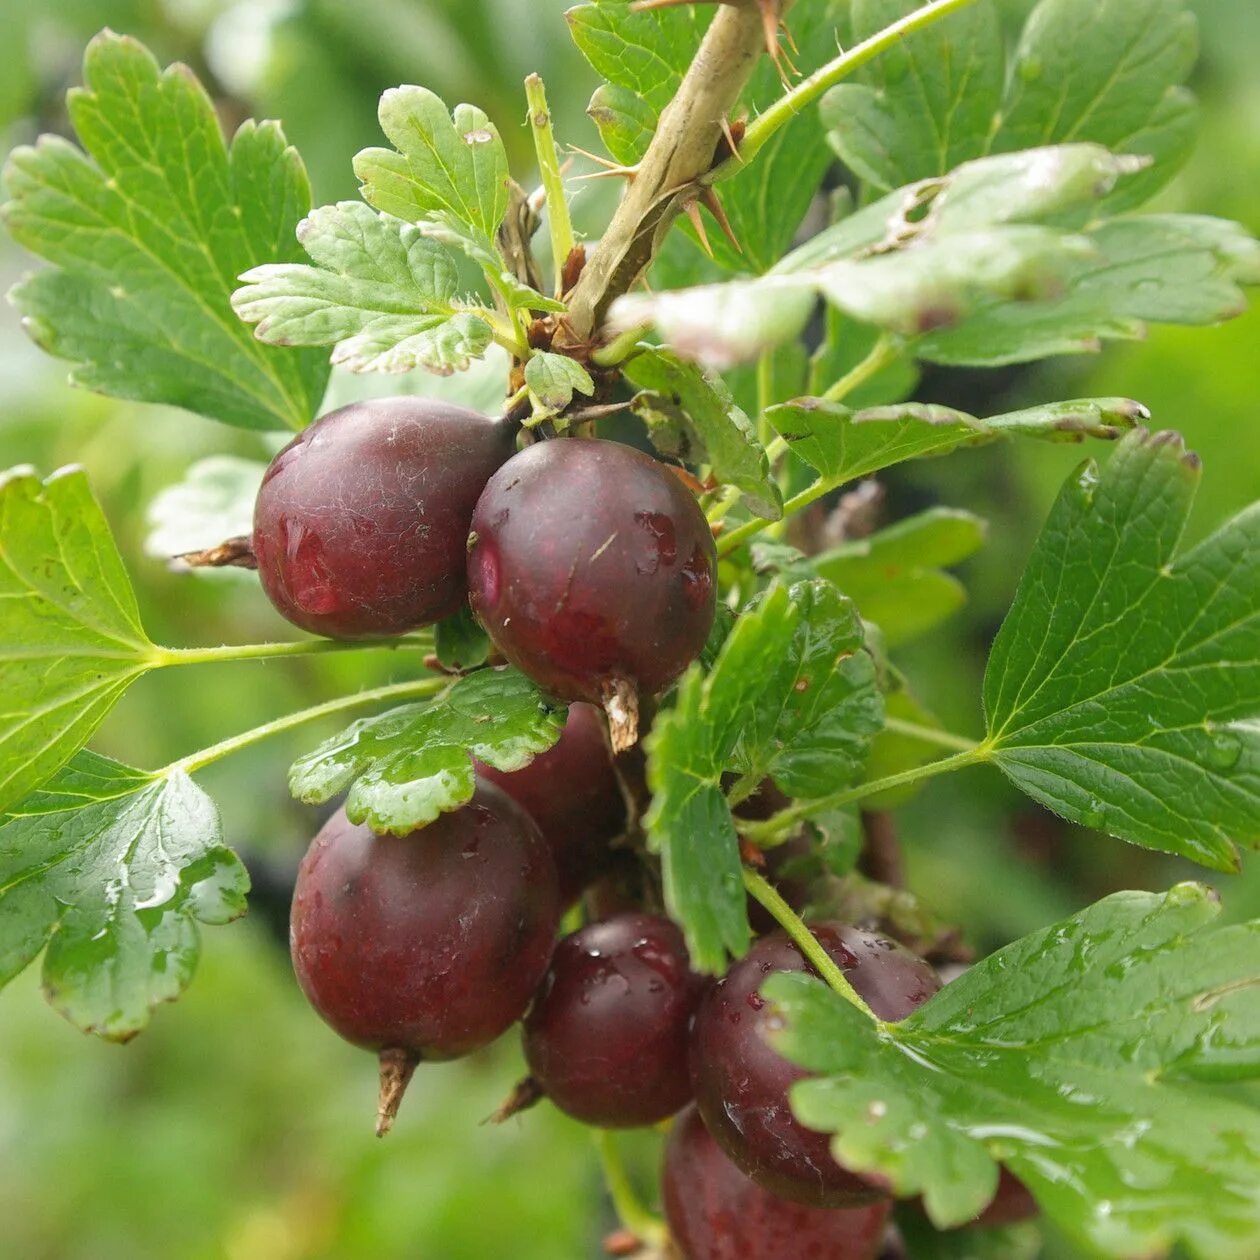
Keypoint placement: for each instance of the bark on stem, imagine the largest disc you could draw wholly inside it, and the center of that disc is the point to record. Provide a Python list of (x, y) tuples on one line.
[(680, 153)]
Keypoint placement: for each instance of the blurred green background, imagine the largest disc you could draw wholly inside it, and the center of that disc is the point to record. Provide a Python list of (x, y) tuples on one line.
[(238, 1126)]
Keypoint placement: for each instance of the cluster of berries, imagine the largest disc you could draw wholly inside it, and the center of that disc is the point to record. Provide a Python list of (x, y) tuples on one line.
[(592, 569)]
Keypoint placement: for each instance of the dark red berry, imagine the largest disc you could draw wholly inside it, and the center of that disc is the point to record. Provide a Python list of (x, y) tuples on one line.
[(742, 1082), (1011, 1203), (606, 1038), (592, 568), (572, 793), (717, 1213), (428, 945), (361, 524)]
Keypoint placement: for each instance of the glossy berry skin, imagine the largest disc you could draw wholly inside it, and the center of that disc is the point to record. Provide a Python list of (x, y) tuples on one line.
[(361, 522), (433, 942), (606, 1038), (742, 1083), (572, 793), (591, 564), (717, 1213)]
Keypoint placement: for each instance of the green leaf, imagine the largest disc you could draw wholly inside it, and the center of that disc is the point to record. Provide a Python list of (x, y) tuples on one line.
[(691, 416), (817, 706), (1170, 269), (147, 231), (409, 765), (791, 695), (926, 104), (1108, 71), (894, 576), (440, 162), (70, 635), (844, 445), (1123, 690), (461, 643), (953, 259), (690, 825), (721, 325), (626, 122), (443, 227), (1015, 1242), (1081, 1058), (553, 379), (643, 54), (111, 868), (214, 502), (380, 291), (1104, 71)]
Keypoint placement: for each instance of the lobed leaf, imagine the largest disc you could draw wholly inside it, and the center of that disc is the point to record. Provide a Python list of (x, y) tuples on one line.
[(147, 230), (380, 291), (553, 379), (1123, 689), (111, 869), (975, 267), (1104, 71), (844, 445), (1082, 1058), (71, 641), (790, 695), (405, 767), (1171, 269), (441, 162)]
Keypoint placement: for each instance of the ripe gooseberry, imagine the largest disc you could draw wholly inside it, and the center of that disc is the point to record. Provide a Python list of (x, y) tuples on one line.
[(591, 567), (425, 946), (742, 1082), (571, 792), (361, 522), (606, 1038), (715, 1212)]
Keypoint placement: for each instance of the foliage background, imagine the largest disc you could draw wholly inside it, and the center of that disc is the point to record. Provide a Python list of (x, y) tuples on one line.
[(237, 1126)]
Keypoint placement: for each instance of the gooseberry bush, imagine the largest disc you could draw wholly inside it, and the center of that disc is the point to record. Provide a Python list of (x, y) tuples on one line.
[(631, 787)]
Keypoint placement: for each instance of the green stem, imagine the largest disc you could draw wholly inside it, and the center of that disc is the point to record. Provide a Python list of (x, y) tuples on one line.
[(751, 528), (931, 735), (763, 891), (810, 89), (765, 396), (788, 819), (265, 651), (743, 788), (558, 221), (644, 1225), (246, 739), (881, 354)]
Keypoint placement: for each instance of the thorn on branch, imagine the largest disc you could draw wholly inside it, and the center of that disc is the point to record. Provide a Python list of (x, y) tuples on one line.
[(611, 170), (771, 20), (732, 138), (707, 198)]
